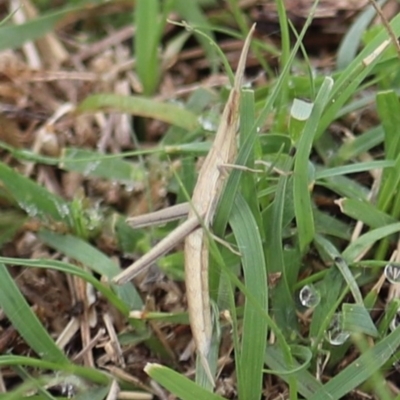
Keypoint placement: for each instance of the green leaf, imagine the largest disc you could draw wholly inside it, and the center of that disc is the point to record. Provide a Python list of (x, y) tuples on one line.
[(250, 359), (25, 321), (35, 200), (91, 163), (141, 106), (356, 319), (83, 252), (301, 190), (360, 369), (178, 384), (13, 36)]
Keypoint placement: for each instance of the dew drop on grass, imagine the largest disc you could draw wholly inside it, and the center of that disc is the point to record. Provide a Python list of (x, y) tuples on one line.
[(90, 168), (335, 334), (63, 209), (392, 273), (395, 322), (207, 124), (30, 209), (309, 296)]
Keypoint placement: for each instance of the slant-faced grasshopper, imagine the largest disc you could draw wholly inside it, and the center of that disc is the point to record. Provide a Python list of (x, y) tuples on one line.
[(204, 201)]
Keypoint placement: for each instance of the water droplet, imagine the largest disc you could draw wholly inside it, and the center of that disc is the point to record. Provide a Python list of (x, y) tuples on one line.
[(395, 322), (309, 296), (335, 334), (392, 272), (30, 209), (90, 168), (63, 209), (207, 124)]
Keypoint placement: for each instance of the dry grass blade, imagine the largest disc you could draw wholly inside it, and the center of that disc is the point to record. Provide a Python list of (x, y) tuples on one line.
[(205, 198)]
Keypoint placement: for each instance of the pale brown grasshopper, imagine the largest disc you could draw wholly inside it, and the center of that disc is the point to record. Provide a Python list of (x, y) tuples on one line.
[(203, 205)]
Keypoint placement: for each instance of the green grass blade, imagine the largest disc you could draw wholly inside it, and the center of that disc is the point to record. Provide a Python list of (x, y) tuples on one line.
[(323, 173), (247, 147), (351, 78), (254, 331), (83, 252), (13, 36), (91, 374), (26, 322), (141, 106), (354, 249), (360, 369), (301, 191), (178, 384), (388, 106), (91, 163), (35, 200), (356, 319), (352, 39), (194, 16), (149, 26), (282, 302), (365, 212), (307, 384), (73, 270)]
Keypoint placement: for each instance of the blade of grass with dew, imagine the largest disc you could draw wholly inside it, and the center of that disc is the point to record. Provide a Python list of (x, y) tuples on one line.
[(178, 384), (301, 191), (195, 149), (149, 27), (115, 169), (141, 106), (35, 200), (254, 331), (37, 383), (83, 252), (73, 270), (354, 249), (355, 73), (24, 320), (247, 147), (365, 212), (13, 36), (360, 369), (91, 374), (352, 39)]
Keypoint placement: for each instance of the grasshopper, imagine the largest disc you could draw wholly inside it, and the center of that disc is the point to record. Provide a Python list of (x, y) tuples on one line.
[(206, 195)]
